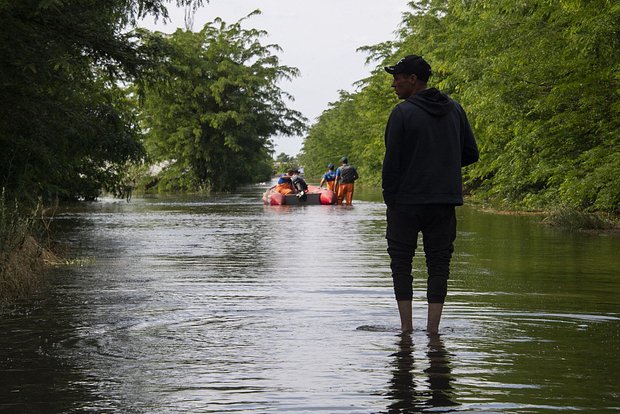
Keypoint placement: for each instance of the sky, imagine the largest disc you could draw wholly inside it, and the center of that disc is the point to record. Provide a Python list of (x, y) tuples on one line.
[(318, 37)]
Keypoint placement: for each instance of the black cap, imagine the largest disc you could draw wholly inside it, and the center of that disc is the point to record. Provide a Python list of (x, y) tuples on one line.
[(344, 160), (411, 65)]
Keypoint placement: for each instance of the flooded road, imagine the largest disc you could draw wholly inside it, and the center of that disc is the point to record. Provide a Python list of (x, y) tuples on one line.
[(220, 304)]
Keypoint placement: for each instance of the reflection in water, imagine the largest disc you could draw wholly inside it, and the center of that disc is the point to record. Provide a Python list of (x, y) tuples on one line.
[(437, 392), (219, 304), (402, 387), (439, 373)]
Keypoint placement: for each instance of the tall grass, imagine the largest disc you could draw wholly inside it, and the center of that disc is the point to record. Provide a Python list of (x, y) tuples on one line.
[(21, 256), (571, 218)]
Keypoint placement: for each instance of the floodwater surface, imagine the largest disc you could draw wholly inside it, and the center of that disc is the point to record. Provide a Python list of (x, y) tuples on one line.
[(220, 304)]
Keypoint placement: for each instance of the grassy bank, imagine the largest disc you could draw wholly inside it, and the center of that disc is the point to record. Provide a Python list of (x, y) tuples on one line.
[(22, 255), (580, 220), (565, 217)]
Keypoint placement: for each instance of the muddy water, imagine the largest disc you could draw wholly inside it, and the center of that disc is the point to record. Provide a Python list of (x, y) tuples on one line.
[(220, 304)]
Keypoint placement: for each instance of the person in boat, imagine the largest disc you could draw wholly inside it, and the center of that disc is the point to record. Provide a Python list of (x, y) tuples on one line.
[(299, 185), (329, 178), (285, 183), (427, 140), (345, 181)]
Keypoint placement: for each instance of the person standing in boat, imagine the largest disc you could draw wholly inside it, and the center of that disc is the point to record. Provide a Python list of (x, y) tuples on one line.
[(329, 178), (345, 181), (427, 140)]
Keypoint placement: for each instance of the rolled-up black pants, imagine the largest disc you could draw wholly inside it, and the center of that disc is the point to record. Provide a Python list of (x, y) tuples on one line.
[(437, 222)]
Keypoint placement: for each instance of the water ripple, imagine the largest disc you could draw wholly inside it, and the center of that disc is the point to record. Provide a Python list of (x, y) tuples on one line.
[(220, 304)]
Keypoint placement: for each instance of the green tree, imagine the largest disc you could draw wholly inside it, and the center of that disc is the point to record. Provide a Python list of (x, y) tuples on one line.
[(214, 107), (545, 96), (541, 84), (284, 163), (283, 158), (67, 127)]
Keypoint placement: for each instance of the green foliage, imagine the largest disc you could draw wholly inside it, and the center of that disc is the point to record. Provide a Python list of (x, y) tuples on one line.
[(214, 106), (284, 158), (284, 163), (541, 84), (67, 127), (350, 127)]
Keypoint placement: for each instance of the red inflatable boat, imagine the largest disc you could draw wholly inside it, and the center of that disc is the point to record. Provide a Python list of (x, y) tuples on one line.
[(314, 196)]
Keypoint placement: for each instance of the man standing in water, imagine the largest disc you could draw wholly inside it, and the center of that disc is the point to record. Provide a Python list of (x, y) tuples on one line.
[(427, 141), (345, 182)]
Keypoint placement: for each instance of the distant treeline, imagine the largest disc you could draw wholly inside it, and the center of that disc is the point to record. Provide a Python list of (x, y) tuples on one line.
[(89, 104), (540, 81)]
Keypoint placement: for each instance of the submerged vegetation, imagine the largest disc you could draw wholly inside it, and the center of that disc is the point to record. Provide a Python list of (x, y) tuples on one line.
[(25, 249)]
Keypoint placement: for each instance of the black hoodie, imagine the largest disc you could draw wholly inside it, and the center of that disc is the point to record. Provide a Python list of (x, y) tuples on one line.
[(427, 141)]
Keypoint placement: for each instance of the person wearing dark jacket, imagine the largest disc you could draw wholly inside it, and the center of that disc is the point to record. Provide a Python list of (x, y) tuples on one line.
[(428, 140)]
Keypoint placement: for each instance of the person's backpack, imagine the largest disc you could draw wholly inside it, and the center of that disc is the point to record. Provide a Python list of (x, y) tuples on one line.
[(348, 174), (300, 184), (301, 187)]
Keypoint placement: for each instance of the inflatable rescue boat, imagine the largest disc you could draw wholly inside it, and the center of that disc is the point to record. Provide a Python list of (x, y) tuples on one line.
[(314, 196)]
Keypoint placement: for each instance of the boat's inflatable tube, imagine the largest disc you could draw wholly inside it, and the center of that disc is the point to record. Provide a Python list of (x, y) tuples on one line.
[(276, 199)]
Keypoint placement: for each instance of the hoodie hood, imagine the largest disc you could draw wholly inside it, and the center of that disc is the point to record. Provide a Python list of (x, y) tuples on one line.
[(432, 101)]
